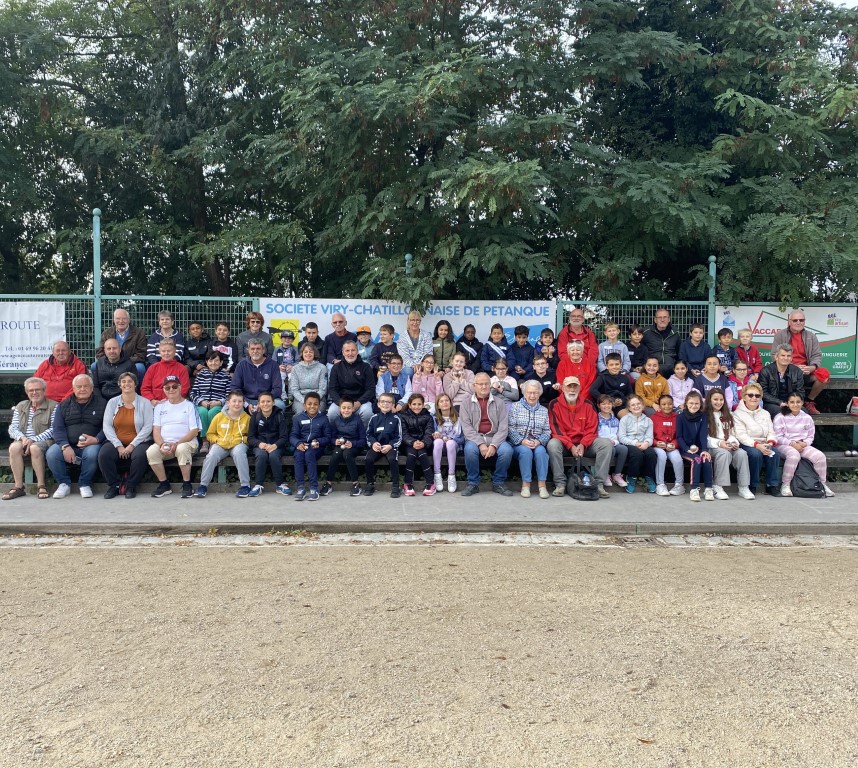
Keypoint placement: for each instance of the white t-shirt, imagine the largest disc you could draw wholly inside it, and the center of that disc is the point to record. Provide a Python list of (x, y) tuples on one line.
[(176, 419)]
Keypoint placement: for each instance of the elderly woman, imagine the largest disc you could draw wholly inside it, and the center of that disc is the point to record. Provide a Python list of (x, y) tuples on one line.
[(127, 428), (575, 364), (31, 431), (414, 344), (309, 375), (253, 323), (529, 434), (757, 438)]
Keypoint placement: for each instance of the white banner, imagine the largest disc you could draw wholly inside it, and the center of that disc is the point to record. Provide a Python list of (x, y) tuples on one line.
[(28, 330), (294, 313)]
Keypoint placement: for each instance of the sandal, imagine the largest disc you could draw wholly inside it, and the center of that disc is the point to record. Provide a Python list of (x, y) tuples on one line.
[(42, 493), (14, 493)]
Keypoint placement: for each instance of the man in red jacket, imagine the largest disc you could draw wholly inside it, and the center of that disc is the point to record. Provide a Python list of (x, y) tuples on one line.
[(59, 370), (577, 331), (574, 429)]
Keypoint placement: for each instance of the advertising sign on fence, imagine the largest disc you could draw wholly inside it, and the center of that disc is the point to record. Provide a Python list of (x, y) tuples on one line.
[(294, 313), (834, 327), (28, 329)]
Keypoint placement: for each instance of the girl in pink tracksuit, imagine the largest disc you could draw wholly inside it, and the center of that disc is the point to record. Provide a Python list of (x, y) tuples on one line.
[(795, 431)]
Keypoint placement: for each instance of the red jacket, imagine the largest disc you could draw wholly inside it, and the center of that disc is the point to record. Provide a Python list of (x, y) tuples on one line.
[(152, 388), (59, 377), (585, 371), (573, 424), (664, 427), (591, 346), (751, 357)]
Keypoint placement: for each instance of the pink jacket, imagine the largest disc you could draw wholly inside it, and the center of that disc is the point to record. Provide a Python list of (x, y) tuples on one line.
[(791, 428), (429, 386)]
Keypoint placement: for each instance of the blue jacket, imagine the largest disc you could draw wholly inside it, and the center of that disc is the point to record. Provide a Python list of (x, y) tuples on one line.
[(350, 429), (305, 429), (694, 356), (692, 429), (252, 380), (488, 355), (384, 428), (726, 357), (522, 356)]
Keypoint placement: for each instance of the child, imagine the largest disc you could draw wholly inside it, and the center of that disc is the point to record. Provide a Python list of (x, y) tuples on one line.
[(269, 436), (495, 348), (725, 448), (609, 428), (546, 376), (364, 342), (447, 438), (692, 434), (613, 382), (211, 387), (383, 350), (428, 381), (197, 344), (613, 345), (226, 346), (679, 384), (635, 433), (520, 356), (726, 353), (459, 382), (664, 435), (286, 356), (710, 378), (395, 382), (637, 351), (795, 431), (694, 350), (227, 435), (749, 354), (471, 348), (417, 429), (651, 385), (349, 436), (384, 436), (443, 345), (737, 381), (547, 348), (311, 432), (503, 385), (311, 336)]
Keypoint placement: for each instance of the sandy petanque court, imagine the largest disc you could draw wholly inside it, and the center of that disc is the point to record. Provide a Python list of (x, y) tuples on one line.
[(428, 656)]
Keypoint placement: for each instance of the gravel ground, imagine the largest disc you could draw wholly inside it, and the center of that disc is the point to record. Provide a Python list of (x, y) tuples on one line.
[(428, 656)]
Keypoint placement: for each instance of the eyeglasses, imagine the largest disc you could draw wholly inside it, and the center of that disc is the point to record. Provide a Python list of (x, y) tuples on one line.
[(256, 322), (338, 322), (753, 395), (171, 386), (797, 320)]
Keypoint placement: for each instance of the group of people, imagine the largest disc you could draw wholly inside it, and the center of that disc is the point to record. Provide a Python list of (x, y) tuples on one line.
[(634, 407)]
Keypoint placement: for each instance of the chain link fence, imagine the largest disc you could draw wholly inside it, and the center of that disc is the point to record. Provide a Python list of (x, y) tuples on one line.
[(683, 314)]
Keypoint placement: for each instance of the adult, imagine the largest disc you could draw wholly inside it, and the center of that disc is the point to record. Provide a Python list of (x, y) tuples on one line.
[(575, 330), (576, 364), (806, 355), (308, 375), (197, 345), (529, 434), (258, 373), (574, 429), (253, 323), (168, 365), (59, 370), (131, 338), (779, 379), (414, 344), (78, 435), (165, 330), (31, 432), (757, 437), (225, 345), (485, 426), (127, 426), (662, 342), (109, 367), (795, 431), (333, 344), (175, 427), (354, 379)]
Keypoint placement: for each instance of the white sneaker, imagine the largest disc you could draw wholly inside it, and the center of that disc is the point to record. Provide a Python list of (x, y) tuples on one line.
[(709, 494), (828, 492), (786, 491), (720, 493), (63, 490), (661, 490), (745, 492), (451, 483), (85, 492), (677, 490), (695, 494), (439, 482)]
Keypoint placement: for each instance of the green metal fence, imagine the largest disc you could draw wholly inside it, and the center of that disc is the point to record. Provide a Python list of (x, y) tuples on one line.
[(683, 314)]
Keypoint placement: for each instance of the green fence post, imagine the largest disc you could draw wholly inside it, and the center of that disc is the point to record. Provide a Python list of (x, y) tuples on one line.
[(96, 274), (713, 272)]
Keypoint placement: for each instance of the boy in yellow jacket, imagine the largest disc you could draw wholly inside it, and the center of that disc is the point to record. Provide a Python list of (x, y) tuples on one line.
[(227, 435)]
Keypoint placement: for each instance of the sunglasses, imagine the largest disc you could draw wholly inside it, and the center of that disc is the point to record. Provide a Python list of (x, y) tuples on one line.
[(171, 386), (753, 395)]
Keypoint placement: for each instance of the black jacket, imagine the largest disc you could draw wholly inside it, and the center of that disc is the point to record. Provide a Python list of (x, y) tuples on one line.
[(106, 375), (664, 345), (417, 426), (355, 379), (270, 429), (768, 380)]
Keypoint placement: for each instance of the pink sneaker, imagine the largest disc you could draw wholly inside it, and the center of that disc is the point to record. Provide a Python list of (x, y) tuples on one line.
[(608, 482), (619, 480)]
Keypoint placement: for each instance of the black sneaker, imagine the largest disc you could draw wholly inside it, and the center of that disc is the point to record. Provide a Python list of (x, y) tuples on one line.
[(773, 490), (112, 492), (355, 491), (326, 489), (471, 489), (130, 493), (163, 489), (187, 490), (395, 492), (369, 490), (502, 490)]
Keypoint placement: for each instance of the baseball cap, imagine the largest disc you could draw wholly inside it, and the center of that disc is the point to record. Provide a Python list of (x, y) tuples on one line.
[(571, 380), (363, 329), (169, 379), (288, 334)]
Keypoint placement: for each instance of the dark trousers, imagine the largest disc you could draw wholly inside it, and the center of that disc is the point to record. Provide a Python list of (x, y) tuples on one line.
[(264, 460), (348, 456), (392, 461), (411, 458), (307, 460), (110, 464), (638, 459), (698, 470)]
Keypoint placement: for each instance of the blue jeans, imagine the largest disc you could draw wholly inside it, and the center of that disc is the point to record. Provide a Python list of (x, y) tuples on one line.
[(756, 461), (527, 457), (502, 460), (60, 469)]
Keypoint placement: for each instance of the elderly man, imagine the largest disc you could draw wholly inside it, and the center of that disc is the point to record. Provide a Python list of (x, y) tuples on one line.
[(59, 370), (131, 339), (806, 354), (334, 342), (258, 373), (31, 433), (662, 342), (575, 330), (414, 344), (574, 428), (78, 435), (352, 378), (168, 365), (485, 425), (780, 379), (108, 369)]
